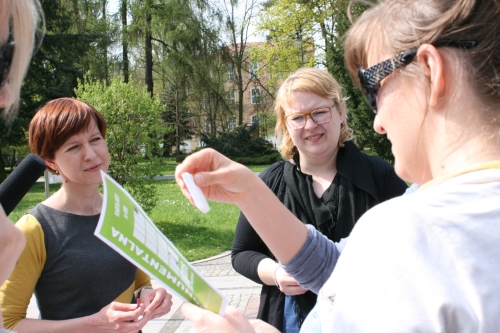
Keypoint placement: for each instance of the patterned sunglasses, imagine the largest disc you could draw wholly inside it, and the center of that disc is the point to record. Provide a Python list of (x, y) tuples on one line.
[(371, 77)]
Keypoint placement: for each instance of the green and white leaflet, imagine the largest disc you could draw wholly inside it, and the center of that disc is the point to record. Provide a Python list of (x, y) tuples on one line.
[(126, 228)]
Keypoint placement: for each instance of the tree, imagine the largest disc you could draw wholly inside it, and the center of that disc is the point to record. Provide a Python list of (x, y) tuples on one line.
[(282, 19), (177, 115), (135, 131), (53, 72), (236, 28)]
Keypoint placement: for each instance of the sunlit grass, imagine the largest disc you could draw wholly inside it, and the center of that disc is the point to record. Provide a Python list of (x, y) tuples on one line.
[(31, 199), (197, 235)]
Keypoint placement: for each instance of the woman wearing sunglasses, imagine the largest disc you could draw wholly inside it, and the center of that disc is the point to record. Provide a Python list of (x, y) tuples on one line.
[(18, 22), (325, 181), (427, 262)]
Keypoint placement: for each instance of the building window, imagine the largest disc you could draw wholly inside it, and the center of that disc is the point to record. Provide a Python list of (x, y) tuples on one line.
[(230, 73), (254, 70), (254, 119), (232, 123), (255, 95), (231, 96)]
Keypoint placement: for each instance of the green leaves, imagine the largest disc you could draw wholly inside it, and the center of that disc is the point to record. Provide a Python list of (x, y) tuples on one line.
[(135, 131)]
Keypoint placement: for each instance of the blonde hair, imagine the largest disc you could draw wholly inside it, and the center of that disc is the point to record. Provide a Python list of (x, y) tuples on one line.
[(25, 18), (398, 25), (317, 82)]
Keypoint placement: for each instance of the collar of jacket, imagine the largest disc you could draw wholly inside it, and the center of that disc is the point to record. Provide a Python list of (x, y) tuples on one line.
[(353, 165)]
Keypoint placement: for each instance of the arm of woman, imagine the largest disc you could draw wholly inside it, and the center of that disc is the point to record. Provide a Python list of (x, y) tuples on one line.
[(221, 179), (16, 293), (17, 290), (249, 252)]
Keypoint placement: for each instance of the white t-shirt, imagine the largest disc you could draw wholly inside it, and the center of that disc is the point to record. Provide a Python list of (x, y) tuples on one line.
[(426, 262)]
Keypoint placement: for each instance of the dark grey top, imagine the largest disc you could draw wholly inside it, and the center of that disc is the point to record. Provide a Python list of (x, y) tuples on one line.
[(81, 274)]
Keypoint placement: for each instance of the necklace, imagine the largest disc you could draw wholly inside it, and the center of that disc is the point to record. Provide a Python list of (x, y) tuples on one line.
[(93, 206)]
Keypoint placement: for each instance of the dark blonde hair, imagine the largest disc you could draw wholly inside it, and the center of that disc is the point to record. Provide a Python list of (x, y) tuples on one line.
[(25, 17), (317, 82), (57, 121), (398, 25)]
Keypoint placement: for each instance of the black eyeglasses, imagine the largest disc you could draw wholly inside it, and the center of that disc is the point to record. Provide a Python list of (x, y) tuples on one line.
[(6, 52), (371, 77)]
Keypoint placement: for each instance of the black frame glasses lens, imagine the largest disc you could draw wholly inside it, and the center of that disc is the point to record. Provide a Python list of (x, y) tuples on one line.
[(6, 53), (369, 92)]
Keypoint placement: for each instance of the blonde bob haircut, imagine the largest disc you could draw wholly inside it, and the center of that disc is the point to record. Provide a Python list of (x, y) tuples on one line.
[(317, 82), (25, 19)]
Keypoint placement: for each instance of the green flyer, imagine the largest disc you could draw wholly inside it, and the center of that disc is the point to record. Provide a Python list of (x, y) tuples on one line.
[(125, 227)]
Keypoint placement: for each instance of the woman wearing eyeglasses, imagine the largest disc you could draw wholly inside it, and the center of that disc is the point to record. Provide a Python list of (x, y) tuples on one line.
[(427, 262), (18, 22), (325, 181)]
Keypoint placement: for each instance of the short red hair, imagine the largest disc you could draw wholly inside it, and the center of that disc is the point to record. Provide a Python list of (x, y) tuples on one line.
[(57, 121)]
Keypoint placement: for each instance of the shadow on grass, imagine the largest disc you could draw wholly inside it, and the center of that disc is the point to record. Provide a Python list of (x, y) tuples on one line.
[(197, 241)]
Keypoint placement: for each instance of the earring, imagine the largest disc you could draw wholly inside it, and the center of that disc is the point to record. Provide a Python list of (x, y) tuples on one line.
[(57, 172)]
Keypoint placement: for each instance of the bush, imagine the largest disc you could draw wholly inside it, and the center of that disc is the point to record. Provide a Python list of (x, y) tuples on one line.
[(258, 159), (134, 133), (243, 146)]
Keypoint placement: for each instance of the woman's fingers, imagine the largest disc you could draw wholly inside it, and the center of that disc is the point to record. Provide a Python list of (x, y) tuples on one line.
[(218, 177), (121, 312)]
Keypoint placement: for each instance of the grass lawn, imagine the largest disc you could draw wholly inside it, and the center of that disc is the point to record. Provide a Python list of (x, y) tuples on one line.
[(197, 235), (31, 199)]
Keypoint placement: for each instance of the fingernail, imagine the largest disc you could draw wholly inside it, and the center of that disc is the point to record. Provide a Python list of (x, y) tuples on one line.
[(199, 179)]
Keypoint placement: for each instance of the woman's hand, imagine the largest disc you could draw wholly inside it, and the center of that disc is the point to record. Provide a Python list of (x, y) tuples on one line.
[(120, 317), (219, 178), (287, 283), (233, 321), (157, 302)]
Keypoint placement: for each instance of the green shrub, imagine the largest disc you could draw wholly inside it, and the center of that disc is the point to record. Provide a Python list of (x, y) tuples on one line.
[(134, 133), (243, 145)]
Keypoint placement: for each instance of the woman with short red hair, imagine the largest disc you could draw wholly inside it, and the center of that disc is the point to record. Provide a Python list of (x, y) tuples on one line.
[(81, 284)]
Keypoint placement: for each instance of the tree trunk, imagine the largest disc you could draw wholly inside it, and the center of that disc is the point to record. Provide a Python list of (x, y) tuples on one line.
[(125, 63), (149, 50), (105, 42), (177, 124)]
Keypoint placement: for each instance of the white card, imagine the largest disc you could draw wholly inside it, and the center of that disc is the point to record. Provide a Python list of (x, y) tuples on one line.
[(196, 193)]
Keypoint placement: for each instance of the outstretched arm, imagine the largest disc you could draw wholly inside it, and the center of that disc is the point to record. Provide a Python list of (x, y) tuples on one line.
[(221, 179)]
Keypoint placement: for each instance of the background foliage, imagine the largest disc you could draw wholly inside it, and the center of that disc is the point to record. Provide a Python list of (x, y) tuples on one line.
[(243, 146), (179, 51), (134, 133)]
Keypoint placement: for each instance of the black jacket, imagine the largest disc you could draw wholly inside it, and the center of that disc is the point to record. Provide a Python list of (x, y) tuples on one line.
[(371, 181)]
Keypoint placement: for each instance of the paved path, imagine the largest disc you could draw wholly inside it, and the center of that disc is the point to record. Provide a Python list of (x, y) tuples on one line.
[(243, 294)]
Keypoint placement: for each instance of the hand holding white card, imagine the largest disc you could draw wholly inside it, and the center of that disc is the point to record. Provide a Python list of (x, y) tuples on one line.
[(196, 193)]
